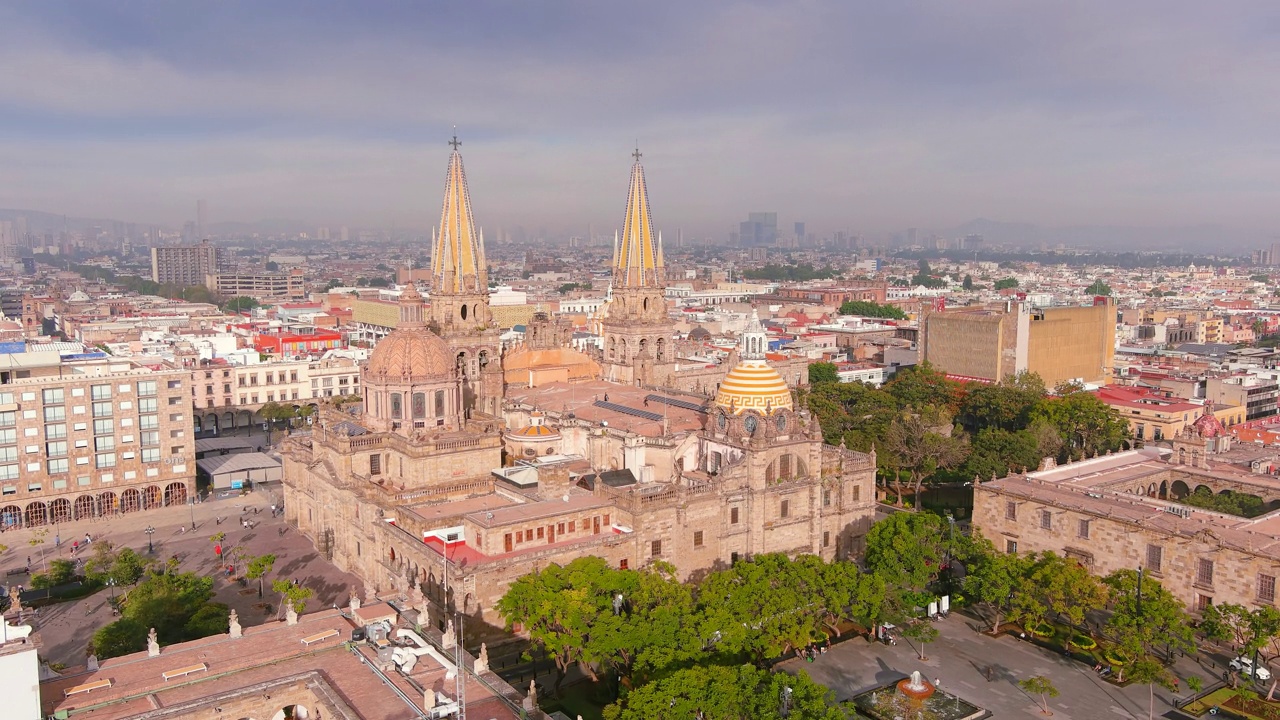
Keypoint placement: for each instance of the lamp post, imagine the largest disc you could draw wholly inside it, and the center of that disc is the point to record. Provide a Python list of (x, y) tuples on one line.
[(191, 503), (150, 531)]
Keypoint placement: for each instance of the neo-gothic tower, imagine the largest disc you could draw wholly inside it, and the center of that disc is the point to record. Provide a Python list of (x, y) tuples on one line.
[(460, 294), (637, 331)]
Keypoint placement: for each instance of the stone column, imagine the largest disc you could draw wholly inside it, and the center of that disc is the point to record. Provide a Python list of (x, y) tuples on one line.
[(482, 661)]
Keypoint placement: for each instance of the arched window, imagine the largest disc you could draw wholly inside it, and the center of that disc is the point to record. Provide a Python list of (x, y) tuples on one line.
[(464, 312), (419, 406), (397, 411), (439, 403)]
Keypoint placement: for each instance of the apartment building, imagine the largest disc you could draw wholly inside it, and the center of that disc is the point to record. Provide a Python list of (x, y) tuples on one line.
[(186, 265), (91, 438), (263, 285)]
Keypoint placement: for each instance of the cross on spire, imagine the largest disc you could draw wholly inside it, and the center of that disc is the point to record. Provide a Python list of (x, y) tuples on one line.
[(455, 142), (637, 153)]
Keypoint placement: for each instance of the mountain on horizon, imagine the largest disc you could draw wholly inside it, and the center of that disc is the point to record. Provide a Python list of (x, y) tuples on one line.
[(1113, 238)]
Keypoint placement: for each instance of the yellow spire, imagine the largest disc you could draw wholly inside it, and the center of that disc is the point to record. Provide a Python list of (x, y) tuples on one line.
[(457, 257), (637, 260)]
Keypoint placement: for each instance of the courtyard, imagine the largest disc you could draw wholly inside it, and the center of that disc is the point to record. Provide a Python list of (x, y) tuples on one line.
[(65, 628)]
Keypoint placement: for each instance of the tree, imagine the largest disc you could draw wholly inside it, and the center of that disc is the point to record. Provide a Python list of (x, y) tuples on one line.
[(1006, 405), (60, 572), (922, 631), (908, 549), (258, 568), (292, 595), (1006, 284), (993, 577), (167, 601), (916, 448), (1067, 587), (1040, 685), (1150, 618), (1148, 671), (720, 692), (121, 566), (273, 266), (760, 607), (1087, 426), (867, 308), (1098, 288), (822, 372), (967, 284), (922, 387), (240, 304), (1248, 630)]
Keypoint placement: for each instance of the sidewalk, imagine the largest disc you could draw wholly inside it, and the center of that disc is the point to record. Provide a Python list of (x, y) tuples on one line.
[(963, 659)]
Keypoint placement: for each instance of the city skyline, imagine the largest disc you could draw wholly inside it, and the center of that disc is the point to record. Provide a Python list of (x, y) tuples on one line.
[(864, 117)]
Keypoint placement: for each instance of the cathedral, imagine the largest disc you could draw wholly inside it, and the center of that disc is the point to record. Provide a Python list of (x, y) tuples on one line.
[(455, 476)]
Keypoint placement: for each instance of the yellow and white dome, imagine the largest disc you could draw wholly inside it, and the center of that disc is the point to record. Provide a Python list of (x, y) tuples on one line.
[(752, 385)]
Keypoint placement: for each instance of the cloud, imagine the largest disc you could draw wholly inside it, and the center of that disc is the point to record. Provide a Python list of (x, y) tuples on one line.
[(866, 116)]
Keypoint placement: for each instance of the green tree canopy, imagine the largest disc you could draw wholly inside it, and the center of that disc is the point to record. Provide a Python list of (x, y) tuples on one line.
[(240, 304), (168, 601), (720, 692), (1153, 619), (1087, 425), (867, 308), (1006, 283), (1098, 288), (822, 372)]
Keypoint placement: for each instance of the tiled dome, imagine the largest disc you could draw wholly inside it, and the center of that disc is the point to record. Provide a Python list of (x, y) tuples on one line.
[(410, 353), (756, 386), (536, 432)]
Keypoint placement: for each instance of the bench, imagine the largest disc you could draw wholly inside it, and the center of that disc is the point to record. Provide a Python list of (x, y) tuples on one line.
[(184, 671), (86, 687), (16, 571), (308, 640)]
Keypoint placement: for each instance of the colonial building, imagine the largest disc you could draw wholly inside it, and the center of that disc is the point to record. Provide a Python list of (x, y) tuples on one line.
[(422, 497), (1123, 511), (637, 331), (460, 294)]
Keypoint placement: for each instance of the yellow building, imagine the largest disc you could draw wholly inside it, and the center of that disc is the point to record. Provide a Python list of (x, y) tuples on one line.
[(990, 343)]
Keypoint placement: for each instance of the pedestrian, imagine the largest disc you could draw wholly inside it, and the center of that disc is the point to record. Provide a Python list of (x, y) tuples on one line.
[(937, 682), (57, 540), (75, 546), (87, 539)]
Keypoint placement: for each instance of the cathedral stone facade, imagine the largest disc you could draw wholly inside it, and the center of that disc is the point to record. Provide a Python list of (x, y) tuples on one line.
[(411, 491)]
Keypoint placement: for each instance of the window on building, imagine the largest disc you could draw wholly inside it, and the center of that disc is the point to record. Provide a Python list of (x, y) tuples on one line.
[(102, 409), (1083, 530), (1203, 602), (655, 548), (52, 449), (826, 498), (100, 392), (1046, 520), (146, 388), (105, 443), (785, 509), (1204, 572), (622, 564), (1266, 588), (397, 409), (573, 526), (857, 493), (375, 464), (1155, 558), (150, 455), (1010, 510), (9, 418), (105, 460), (56, 431), (148, 405), (826, 538), (733, 516), (55, 413), (697, 538), (149, 438), (149, 422), (58, 466), (53, 396), (1011, 546), (559, 528), (439, 403)]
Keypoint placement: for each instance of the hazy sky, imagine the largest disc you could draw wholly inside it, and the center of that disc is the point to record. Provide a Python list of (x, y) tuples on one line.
[(871, 116)]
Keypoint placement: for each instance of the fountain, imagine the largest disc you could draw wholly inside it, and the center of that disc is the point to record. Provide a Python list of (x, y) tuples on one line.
[(914, 698), (916, 687)]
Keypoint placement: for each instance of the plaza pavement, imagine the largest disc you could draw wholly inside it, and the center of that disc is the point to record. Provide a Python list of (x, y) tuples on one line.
[(962, 658), (64, 629)]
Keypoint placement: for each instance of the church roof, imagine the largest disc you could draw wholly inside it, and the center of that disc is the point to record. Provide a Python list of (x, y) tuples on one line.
[(637, 259), (410, 353), (457, 255), (536, 432), (756, 386)]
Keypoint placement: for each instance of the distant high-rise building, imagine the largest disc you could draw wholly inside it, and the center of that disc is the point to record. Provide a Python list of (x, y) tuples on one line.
[(187, 265), (344, 234), (761, 228), (202, 220), (799, 231), (911, 236), (971, 243)]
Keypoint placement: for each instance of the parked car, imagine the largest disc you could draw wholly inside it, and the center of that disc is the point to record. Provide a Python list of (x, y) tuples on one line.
[(1244, 666)]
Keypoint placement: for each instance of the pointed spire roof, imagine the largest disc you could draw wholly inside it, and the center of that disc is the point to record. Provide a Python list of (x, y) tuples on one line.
[(457, 254), (637, 258)]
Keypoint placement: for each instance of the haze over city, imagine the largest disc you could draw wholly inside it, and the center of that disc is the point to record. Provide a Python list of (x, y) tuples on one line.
[(866, 116)]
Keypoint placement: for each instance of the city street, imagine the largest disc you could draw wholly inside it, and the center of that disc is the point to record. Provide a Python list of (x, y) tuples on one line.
[(986, 671), (65, 628)]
